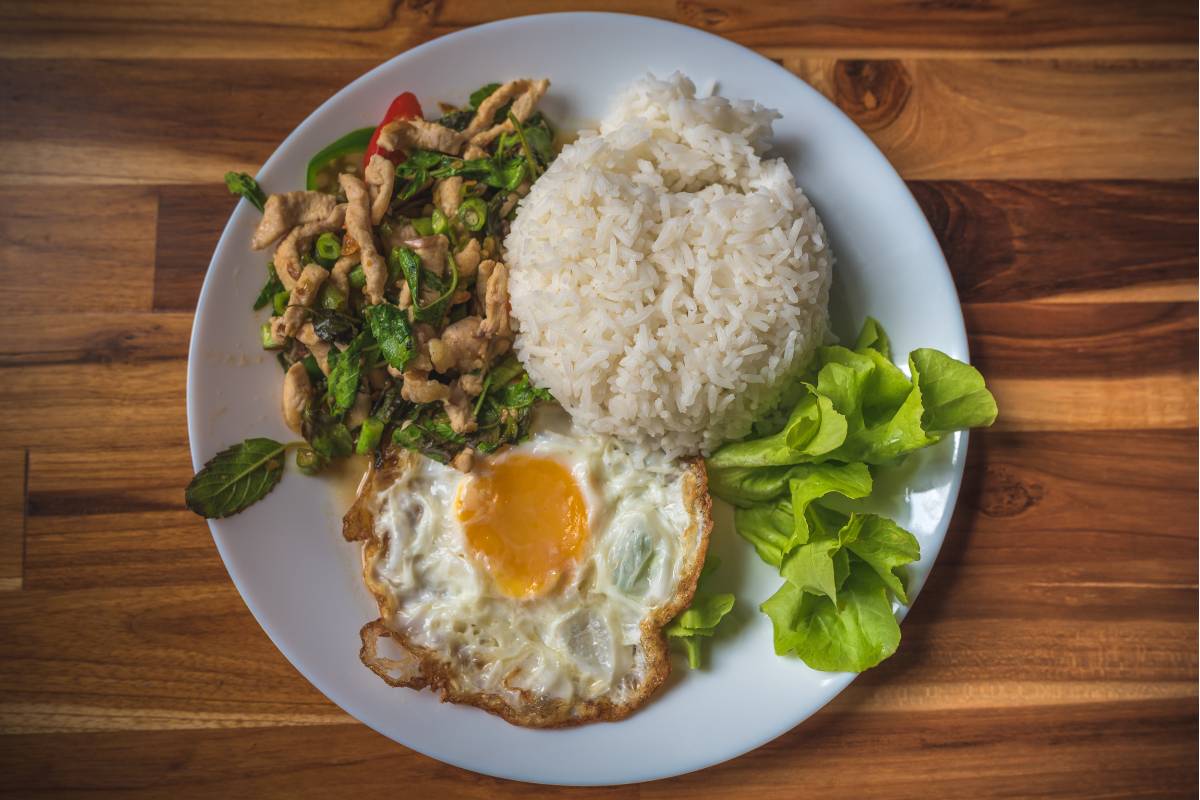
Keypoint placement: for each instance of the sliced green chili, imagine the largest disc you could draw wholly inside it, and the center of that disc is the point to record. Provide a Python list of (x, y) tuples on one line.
[(358, 278), (473, 213), (352, 143), (423, 226), (280, 302), (329, 249), (369, 436)]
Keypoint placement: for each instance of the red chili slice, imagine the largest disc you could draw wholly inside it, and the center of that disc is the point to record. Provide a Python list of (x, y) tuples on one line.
[(405, 106)]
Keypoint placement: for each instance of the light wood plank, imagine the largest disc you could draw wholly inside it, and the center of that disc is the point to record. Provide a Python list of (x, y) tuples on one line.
[(76, 249), (960, 119), (1165, 401), (12, 519)]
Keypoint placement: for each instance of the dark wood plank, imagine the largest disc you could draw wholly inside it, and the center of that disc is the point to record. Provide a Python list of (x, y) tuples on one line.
[(1026, 339), (75, 249), (377, 29), (190, 220), (86, 338), (1100, 750), (1017, 240), (12, 518)]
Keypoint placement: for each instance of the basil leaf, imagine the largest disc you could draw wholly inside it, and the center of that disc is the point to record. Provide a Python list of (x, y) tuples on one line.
[(456, 120), (245, 186), (483, 93), (345, 369), (390, 327), (701, 617), (272, 287), (408, 263), (329, 437), (236, 478)]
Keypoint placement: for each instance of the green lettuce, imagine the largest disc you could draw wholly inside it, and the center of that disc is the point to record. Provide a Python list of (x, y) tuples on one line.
[(700, 619), (856, 409)]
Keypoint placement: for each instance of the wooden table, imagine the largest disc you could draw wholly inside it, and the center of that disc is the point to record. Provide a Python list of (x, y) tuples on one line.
[(1053, 147)]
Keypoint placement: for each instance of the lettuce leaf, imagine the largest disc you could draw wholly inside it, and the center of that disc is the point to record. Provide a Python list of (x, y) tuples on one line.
[(700, 619), (850, 635), (856, 409)]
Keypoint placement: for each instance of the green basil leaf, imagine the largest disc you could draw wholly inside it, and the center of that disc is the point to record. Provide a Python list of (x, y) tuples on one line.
[(244, 185), (391, 330), (483, 93), (272, 287), (236, 478), (345, 369)]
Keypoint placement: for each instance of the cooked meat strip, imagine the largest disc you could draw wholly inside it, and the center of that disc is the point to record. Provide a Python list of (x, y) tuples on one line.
[(464, 348), (340, 274), (459, 409), (283, 212), (495, 303), (464, 460), (484, 274), (304, 293), (307, 336), (418, 388), (474, 152), (414, 134), (447, 195), (358, 225), (297, 394), (432, 250), (524, 94), (380, 177), (287, 253), (468, 260)]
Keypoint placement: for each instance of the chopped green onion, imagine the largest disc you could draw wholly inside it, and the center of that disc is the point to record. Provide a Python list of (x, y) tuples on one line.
[(369, 436), (439, 223), (423, 226), (268, 337), (280, 302), (331, 297), (309, 461), (473, 213), (358, 278), (329, 249)]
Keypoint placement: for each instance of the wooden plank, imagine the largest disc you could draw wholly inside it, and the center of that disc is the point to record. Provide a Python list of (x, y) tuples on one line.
[(94, 405), (88, 338), (379, 30), (119, 658), (115, 517), (1165, 401), (80, 124), (1019, 240), (1104, 750), (75, 248), (958, 119), (12, 518), (1100, 750), (1081, 339), (935, 119), (190, 219)]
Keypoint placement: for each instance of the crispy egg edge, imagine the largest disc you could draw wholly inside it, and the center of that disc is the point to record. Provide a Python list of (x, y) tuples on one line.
[(420, 668)]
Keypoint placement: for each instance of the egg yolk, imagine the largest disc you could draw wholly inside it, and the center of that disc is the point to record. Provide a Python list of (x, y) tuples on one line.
[(525, 519)]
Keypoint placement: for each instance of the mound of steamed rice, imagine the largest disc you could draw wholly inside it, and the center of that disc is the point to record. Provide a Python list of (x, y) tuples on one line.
[(666, 279)]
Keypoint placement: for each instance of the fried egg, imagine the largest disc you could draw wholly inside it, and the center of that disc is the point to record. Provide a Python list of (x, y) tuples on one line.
[(537, 586)]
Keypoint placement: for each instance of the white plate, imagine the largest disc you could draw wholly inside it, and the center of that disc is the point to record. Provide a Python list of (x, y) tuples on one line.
[(286, 555)]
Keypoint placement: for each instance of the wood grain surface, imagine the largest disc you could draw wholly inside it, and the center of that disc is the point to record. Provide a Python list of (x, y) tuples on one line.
[(1053, 147)]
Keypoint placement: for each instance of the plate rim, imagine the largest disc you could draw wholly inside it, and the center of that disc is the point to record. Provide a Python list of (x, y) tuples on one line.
[(836, 682)]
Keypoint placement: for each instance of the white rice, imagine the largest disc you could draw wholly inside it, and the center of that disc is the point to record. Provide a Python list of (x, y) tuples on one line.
[(666, 280)]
